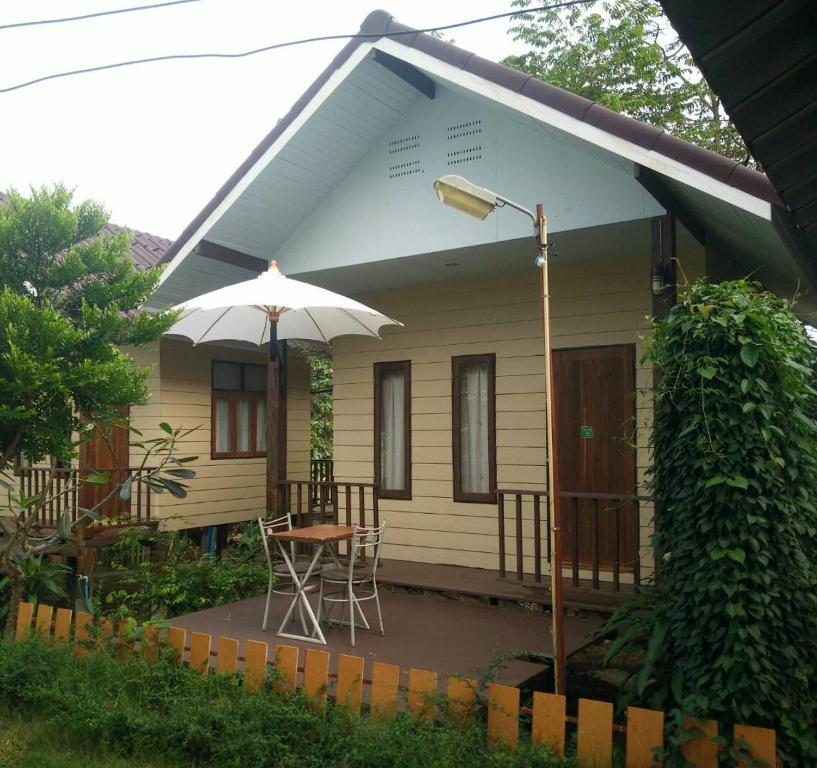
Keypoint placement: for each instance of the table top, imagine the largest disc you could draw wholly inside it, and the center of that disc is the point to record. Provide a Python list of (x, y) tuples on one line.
[(319, 534)]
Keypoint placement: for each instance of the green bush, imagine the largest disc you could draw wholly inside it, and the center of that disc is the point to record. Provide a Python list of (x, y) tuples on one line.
[(131, 709), (730, 629), (180, 579)]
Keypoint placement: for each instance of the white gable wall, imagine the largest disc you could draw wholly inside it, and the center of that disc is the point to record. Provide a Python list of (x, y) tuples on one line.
[(386, 207)]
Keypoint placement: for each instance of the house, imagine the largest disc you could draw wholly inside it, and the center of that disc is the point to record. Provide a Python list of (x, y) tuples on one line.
[(446, 415)]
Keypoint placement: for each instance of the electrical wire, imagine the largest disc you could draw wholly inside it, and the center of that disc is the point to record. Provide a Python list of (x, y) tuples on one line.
[(39, 22), (288, 44)]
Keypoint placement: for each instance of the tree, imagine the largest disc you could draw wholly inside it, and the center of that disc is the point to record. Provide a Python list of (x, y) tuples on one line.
[(69, 299), (624, 55), (729, 630), (320, 385)]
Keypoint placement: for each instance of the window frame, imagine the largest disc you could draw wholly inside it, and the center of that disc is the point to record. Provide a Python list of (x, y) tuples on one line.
[(379, 370), (232, 396), (457, 363)]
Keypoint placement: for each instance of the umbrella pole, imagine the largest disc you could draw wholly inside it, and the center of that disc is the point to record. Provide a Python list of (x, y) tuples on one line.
[(273, 419)]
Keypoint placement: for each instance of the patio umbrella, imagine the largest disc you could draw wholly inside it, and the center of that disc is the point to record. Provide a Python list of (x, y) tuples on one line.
[(264, 310)]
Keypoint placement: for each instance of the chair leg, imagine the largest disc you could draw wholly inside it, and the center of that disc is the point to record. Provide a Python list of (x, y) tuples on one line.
[(320, 602), (377, 603), (352, 614), (266, 607)]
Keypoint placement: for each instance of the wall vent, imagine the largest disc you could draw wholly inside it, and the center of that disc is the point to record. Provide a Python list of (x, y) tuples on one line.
[(404, 157), (464, 142), (468, 128)]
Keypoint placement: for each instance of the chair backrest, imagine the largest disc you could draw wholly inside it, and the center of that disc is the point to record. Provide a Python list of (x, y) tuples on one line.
[(268, 527), (363, 539)]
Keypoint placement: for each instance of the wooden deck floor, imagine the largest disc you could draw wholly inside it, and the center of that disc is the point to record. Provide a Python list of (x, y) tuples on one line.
[(426, 631)]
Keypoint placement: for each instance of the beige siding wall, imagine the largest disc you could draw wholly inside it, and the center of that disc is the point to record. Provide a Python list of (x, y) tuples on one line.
[(594, 303), (225, 490)]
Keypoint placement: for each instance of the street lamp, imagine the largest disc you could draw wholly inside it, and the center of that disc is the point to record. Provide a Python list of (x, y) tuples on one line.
[(479, 202)]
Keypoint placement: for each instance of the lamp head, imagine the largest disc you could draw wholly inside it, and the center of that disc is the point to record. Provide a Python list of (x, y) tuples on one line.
[(465, 196)]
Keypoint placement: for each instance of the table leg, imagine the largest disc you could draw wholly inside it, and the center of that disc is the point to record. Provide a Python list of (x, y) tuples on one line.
[(300, 597)]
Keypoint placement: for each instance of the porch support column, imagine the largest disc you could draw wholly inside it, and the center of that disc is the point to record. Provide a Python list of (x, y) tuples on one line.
[(663, 265), (274, 409)]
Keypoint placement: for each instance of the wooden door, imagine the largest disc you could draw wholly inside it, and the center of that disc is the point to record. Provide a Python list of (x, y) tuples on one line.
[(106, 453), (595, 412)]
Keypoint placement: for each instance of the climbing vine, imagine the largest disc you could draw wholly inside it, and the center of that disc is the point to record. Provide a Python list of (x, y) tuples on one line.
[(729, 629)]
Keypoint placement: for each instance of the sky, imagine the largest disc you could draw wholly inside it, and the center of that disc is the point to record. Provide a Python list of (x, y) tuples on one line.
[(154, 142)]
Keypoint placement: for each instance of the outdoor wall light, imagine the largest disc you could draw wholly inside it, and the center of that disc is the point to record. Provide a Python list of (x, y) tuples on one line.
[(657, 281), (465, 196)]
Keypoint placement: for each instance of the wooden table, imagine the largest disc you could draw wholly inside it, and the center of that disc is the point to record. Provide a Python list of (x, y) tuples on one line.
[(320, 536)]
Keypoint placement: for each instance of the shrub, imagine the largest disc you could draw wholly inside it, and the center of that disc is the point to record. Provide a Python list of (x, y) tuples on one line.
[(180, 579), (134, 709), (730, 630)]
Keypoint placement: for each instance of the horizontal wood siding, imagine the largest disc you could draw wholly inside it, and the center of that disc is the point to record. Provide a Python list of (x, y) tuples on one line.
[(594, 303), (225, 490)]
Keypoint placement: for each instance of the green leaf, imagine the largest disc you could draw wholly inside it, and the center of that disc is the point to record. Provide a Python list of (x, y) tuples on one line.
[(707, 372), (97, 478), (175, 488), (737, 554), (64, 526), (165, 427), (738, 481), (750, 354), (124, 491), (716, 480), (187, 474)]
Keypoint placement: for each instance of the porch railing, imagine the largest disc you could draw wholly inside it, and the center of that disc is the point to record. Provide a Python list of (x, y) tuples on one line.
[(600, 535), (67, 494), (320, 471)]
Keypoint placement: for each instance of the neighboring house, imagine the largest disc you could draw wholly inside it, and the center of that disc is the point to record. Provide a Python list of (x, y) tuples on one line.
[(448, 410)]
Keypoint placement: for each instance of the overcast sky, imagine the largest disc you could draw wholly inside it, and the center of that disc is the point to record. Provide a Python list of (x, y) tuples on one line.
[(154, 142)]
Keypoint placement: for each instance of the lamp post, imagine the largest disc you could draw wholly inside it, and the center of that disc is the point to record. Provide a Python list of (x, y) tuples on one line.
[(479, 202)]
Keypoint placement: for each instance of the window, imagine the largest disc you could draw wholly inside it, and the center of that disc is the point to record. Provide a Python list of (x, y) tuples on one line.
[(392, 429), (239, 418), (474, 427)]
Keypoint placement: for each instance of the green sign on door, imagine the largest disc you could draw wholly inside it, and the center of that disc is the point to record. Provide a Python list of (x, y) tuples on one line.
[(585, 432)]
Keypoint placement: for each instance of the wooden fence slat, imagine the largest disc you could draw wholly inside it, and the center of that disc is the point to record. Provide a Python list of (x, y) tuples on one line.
[(316, 674), (25, 613), (762, 742), (176, 637), (227, 656), (503, 715), (701, 751), (595, 741), (105, 631), (462, 698), (124, 648), (350, 683), (255, 664), (43, 624), (385, 684), (422, 688), (548, 726), (62, 624), (150, 644), (82, 632), (200, 652), (286, 662), (645, 732)]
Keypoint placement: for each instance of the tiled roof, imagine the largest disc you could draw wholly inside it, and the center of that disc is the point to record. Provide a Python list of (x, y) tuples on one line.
[(147, 250)]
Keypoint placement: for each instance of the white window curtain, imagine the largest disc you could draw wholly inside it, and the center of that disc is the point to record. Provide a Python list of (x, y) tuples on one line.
[(392, 431), (474, 432), (242, 431), (222, 425), (261, 424)]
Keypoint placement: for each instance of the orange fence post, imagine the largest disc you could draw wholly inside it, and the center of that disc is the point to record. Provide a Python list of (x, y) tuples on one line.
[(595, 741), (150, 644), (350, 683), (762, 742), (200, 652), (385, 684), (286, 662), (548, 725), (645, 734), (701, 751), (43, 623), (255, 665), (176, 637), (25, 613), (503, 715), (422, 687), (82, 632), (462, 698), (226, 656), (316, 675), (62, 625)]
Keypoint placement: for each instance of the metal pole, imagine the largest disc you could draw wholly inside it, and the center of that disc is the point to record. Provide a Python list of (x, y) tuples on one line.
[(273, 417), (556, 588)]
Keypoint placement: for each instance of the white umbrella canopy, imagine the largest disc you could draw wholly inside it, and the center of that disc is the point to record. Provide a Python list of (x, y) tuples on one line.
[(245, 312)]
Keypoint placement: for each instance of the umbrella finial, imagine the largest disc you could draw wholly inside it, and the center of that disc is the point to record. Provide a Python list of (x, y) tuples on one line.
[(273, 267)]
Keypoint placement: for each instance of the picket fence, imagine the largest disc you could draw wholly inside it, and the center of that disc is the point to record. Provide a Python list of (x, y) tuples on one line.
[(643, 732)]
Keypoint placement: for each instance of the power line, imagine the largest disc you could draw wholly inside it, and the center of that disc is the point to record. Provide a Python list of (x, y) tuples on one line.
[(288, 44), (39, 22)]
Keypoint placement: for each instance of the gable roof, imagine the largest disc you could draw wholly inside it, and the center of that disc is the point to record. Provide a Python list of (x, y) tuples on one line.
[(379, 24), (147, 250)]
